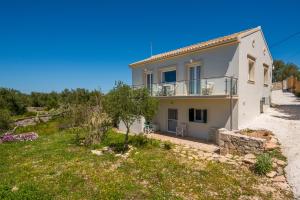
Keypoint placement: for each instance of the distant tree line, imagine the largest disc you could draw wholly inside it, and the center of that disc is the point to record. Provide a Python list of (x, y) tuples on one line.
[(284, 70), (15, 102)]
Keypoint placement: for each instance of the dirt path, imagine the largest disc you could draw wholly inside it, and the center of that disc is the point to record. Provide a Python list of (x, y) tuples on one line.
[(284, 122)]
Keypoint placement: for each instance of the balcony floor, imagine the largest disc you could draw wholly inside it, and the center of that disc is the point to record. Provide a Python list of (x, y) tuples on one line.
[(198, 97)]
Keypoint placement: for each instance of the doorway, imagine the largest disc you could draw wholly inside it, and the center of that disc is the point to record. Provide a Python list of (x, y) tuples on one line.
[(172, 120)]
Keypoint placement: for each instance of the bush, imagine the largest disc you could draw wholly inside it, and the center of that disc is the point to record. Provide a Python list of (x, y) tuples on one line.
[(297, 94), (5, 120), (263, 164), (167, 145), (118, 147), (139, 140)]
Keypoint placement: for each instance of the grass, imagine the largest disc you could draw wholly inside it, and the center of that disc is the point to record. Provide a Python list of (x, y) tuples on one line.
[(25, 115), (54, 167), (263, 164), (276, 153)]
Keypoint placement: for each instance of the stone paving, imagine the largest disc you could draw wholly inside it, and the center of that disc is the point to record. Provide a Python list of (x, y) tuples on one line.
[(186, 141)]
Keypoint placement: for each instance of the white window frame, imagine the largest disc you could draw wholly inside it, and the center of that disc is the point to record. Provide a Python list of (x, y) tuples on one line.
[(251, 59), (202, 115), (193, 79), (167, 69), (151, 80)]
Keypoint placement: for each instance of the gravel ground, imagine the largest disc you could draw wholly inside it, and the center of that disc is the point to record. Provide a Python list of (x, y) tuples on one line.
[(284, 121)]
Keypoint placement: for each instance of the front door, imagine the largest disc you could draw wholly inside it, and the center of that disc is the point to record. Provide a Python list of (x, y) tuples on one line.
[(172, 120)]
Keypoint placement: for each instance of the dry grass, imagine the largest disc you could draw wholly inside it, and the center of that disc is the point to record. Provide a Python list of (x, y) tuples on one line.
[(264, 134)]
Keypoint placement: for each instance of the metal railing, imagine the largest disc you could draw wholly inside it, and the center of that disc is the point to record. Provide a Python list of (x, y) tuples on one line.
[(198, 87)]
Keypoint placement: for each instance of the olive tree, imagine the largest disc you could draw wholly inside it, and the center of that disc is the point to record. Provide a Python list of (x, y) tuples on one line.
[(89, 117), (128, 104)]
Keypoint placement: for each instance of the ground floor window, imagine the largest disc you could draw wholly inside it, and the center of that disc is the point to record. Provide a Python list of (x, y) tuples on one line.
[(198, 115)]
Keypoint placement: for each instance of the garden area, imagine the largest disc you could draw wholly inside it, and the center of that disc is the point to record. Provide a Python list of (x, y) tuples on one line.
[(55, 166), (67, 148)]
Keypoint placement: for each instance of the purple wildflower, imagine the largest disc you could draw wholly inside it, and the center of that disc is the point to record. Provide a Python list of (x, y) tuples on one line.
[(20, 137)]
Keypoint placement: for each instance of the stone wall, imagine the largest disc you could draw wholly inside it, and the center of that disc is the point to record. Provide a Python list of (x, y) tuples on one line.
[(236, 143), (277, 85)]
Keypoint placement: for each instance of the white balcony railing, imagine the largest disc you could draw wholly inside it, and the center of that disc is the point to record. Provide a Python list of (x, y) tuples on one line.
[(199, 87)]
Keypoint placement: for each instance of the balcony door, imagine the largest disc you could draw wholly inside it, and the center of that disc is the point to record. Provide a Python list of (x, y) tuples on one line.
[(194, 80), (149, 82)]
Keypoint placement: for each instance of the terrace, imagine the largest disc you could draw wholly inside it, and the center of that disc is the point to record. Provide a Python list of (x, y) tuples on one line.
[(204, 87)]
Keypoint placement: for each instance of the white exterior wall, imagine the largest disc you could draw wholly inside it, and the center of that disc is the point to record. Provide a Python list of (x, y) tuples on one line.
[(137, 127), (218, 114), (216, 62), (251, 94)]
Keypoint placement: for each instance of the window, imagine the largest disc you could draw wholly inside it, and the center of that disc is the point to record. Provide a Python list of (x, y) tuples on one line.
[(266, 75), (251, 70), (169, 76), (198, 115)]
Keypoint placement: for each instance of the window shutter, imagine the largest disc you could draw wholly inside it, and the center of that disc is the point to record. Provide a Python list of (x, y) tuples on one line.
[(205, 116), (191, 114)]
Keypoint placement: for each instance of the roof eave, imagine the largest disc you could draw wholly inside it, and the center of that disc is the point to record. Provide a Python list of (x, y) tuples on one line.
[(219, 44)]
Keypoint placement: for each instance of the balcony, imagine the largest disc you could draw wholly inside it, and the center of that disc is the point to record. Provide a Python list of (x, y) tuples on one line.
[(218, 86)]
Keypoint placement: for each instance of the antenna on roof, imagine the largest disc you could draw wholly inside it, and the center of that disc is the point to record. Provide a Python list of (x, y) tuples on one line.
[(151, 48)]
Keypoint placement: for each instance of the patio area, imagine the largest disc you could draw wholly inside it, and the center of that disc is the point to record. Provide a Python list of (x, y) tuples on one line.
[(185, 141)]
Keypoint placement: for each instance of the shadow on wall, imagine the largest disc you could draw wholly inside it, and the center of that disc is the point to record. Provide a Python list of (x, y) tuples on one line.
[(291, 112)]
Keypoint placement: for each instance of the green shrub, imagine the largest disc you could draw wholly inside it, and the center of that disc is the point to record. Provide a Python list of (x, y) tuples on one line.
[(167, 145), (118, 147), (139, 140), (263, 164), (297, 94), (5, 120)]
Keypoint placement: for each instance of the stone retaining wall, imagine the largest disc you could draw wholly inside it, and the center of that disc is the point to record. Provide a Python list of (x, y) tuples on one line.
[(236, 143), (277, 85)]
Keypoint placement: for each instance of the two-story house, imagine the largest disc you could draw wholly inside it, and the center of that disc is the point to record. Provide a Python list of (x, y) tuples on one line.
[(221, 83)]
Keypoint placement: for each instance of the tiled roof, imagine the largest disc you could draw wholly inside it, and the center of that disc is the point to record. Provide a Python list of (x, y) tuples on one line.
[(196, 47)]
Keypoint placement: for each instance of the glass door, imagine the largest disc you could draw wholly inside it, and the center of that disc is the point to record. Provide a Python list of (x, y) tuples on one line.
[(194, 80), (172, 120), (149, 82)]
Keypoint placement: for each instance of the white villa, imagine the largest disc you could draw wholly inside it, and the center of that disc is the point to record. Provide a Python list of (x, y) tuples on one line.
[(221, 83)]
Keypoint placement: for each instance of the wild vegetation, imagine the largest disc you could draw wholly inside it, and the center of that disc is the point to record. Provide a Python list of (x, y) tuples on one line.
[(13, 103), (55, 167), (263, 164), (284, 70)]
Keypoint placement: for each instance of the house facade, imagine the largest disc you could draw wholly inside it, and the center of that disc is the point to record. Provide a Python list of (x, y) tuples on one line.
[(220, 83)]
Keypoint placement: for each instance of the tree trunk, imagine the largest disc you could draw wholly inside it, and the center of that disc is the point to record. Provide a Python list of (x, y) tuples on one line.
[(126, 139)]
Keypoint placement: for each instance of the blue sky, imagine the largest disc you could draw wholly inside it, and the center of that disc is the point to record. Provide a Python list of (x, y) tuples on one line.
[(52, 45)]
